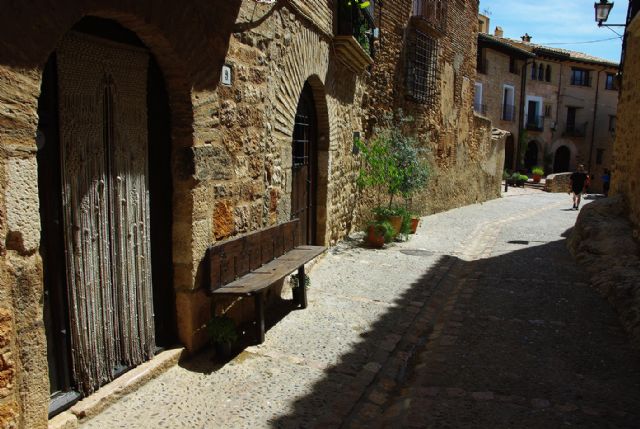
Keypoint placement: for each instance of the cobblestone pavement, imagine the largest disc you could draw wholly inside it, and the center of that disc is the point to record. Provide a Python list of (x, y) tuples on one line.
[(482, 320)]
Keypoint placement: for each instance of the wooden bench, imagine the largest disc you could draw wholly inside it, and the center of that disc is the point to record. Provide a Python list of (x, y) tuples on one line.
[(249, 265)]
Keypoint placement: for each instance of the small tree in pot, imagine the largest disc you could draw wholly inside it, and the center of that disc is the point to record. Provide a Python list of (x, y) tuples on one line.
[(393, 165)]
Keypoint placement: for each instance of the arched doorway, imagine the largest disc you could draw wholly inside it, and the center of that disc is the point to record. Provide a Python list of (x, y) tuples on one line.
[(305, 166), (561, 160), (105, 192), (531, 156), (509, 150)]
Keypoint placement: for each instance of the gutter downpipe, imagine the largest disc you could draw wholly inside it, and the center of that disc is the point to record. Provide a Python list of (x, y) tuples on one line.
[(523, 90), (593, 127)]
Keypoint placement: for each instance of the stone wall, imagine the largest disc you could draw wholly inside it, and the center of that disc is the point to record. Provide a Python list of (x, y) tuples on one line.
[(187, 61), (460, 146), (627, 150), (243, 137), (558, 182), (602, 242)]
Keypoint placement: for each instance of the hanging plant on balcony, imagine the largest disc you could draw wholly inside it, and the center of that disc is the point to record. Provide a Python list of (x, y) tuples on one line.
[(363, 4)]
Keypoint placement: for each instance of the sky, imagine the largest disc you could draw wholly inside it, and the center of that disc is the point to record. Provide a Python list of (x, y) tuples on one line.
[(559, 24)]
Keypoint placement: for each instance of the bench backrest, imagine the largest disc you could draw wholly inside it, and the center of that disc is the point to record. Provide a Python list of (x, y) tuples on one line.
[(232, 259)]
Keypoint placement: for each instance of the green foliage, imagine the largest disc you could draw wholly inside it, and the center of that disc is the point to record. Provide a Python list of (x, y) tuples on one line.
[(515, 176), (384, 228), (537, 170), (506, 175), (393, 162), (222, 329), (295, 281), (523, 177)]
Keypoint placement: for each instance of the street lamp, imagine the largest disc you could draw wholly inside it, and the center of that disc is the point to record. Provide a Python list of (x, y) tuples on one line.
[(602, 13)]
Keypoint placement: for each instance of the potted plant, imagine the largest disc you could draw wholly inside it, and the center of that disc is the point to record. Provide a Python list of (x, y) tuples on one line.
[(522, 180), (379, 232), (394, 166), (537, 173), (223, 334)]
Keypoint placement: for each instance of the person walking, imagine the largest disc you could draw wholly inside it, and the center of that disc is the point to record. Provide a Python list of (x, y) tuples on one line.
[(606, 182), (577, 182)]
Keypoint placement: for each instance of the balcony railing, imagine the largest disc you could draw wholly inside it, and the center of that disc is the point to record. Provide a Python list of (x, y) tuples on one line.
[(581, 80), (480, 108), (534, 122), (508, 112), (357, 22), (434, 12), (575, 130)]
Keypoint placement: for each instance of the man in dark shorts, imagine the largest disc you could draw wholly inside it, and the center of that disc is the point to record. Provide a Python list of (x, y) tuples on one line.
[(577, 183)]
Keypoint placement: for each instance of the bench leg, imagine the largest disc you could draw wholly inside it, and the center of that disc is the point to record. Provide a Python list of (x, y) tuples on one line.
[(259, 316), (302, 288)]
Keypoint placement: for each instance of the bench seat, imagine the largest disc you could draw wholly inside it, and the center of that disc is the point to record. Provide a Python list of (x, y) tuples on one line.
[(249, 265)]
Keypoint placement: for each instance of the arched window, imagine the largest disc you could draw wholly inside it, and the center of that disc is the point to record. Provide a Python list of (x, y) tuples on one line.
[(540, 72), (533, 71), (548, 76)]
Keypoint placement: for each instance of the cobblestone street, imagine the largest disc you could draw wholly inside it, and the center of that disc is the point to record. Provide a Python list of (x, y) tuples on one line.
[(481, 320)]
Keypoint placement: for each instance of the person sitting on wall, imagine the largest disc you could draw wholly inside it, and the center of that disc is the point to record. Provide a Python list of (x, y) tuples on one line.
[(577, 183)]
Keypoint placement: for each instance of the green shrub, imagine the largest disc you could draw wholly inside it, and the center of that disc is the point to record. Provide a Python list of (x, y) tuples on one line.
[(537, 170), (222, 329), (523, 177)]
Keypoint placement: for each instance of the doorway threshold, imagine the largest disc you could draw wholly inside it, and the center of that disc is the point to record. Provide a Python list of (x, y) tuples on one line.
[(130, 381)]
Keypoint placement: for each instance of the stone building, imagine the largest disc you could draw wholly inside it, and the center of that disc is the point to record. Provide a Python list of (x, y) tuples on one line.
[(425, 65), (567, 106), (137, 133), (498, 88), (627, 150)]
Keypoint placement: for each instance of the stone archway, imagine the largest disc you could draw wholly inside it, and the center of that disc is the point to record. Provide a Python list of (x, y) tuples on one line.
[(562, 160), (531, 155), (105, 186)]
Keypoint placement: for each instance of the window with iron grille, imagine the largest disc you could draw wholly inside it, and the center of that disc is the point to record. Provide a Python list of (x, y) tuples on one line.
[(421, 66)]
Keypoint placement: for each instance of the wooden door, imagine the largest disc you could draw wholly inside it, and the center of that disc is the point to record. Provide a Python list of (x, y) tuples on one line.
[(304, 148), (102, 91)]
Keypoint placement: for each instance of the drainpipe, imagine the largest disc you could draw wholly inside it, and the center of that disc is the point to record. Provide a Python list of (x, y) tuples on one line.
[(523, 90), (595, 113), (558, 104)]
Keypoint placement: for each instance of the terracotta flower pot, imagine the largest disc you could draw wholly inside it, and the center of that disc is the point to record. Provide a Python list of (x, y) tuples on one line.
[(414, 224), (536, 178), (396, 223), (375, 238)]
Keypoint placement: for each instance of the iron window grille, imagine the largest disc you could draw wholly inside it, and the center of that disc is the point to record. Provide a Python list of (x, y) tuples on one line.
[(421, 67)]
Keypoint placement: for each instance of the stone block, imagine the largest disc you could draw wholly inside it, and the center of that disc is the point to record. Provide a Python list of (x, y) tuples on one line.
[(6, 327), (212, 163), (9, 413), (223, 220), (22, 205)]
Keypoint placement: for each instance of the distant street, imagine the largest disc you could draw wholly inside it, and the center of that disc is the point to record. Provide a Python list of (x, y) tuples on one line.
[(481, 320)]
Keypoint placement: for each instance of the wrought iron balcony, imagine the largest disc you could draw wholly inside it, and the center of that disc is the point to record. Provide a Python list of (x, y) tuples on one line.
[(480, 108), (354, 41), (508, 112), (534, 122), (434, 12), (575, 130)]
